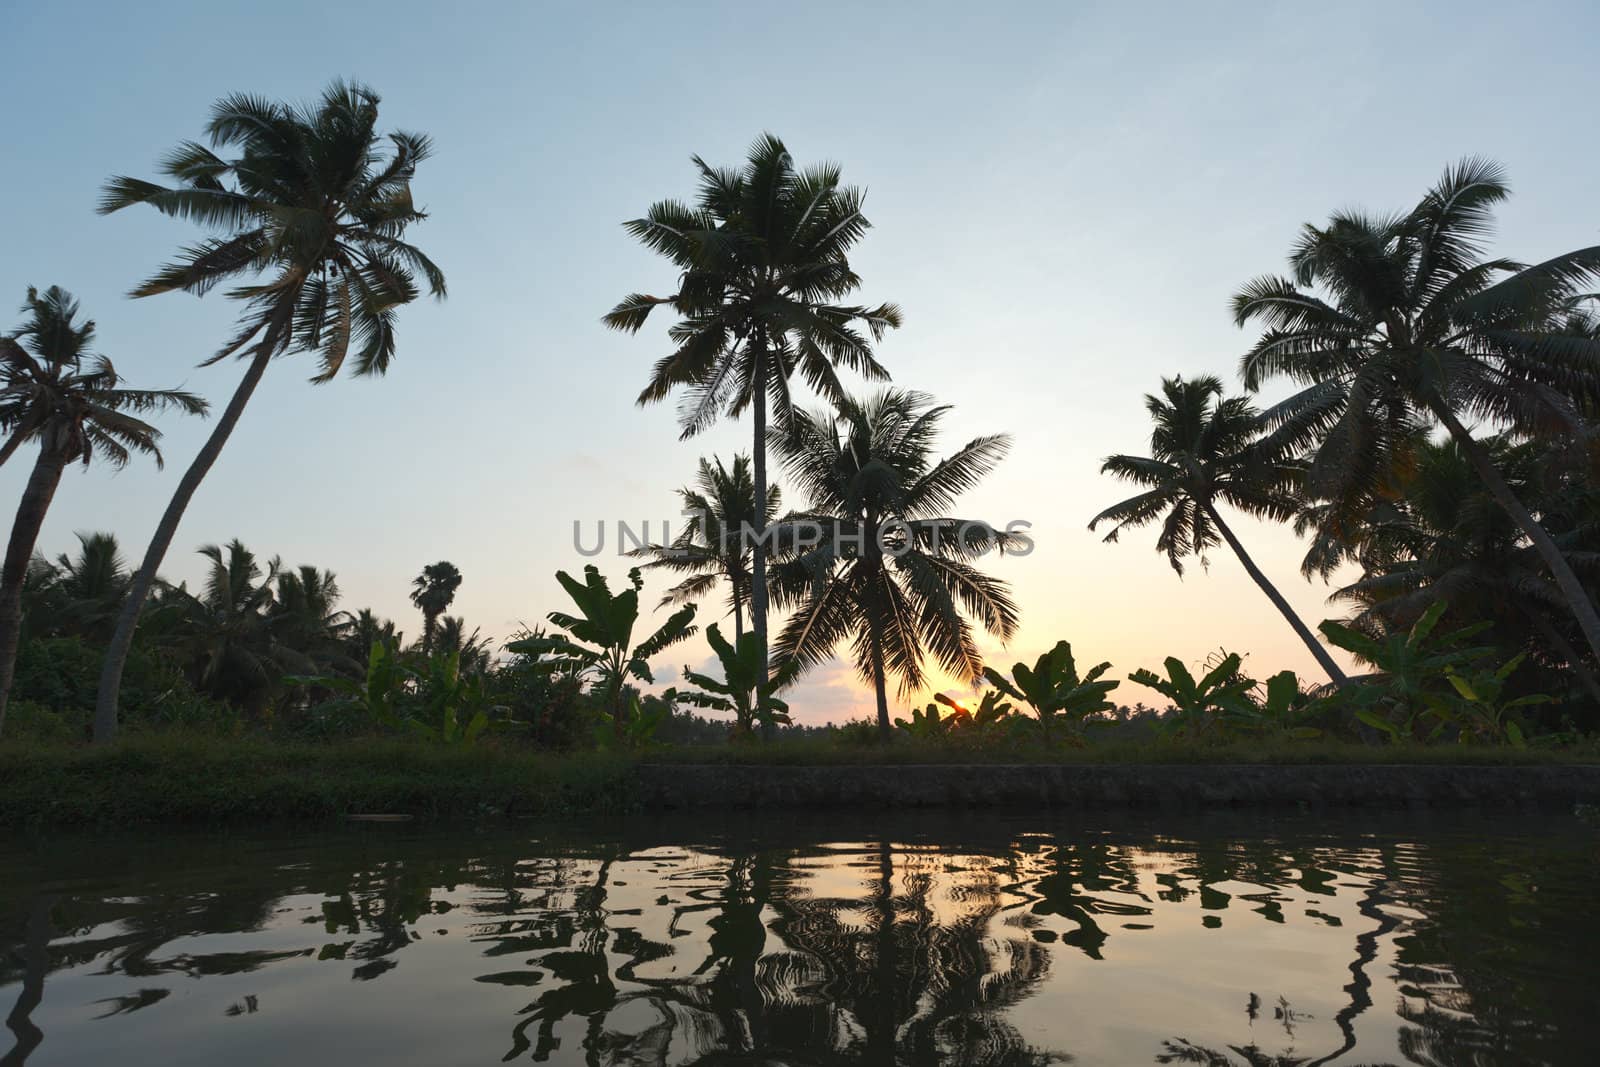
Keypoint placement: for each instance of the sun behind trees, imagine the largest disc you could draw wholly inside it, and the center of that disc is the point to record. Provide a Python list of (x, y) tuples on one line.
[(1395, 329)]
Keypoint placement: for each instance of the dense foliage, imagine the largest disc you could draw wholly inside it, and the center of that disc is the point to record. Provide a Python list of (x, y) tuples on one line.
[(1438, 456)]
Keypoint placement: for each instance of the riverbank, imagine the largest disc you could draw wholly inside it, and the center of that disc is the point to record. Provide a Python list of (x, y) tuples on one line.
[(186, 780)]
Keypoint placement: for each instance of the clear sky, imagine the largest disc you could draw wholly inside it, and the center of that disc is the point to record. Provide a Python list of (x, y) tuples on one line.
[(1064, 196)]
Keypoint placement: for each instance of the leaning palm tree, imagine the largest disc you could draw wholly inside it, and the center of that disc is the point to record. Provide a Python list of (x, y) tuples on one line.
[(432, 592), (763, 256), (54, 390), (884, 566), (710, 550), (1389, 321), (308, 215), (1204, 452)]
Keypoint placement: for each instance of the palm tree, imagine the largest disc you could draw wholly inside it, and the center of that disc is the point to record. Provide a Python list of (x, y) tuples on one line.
[(1440, 537), (890, 571), (306, 616), (91, 584), (365, 630), (432, 592), (55, 391), (762, 255), (1204, 451), (1389, 321), (309, 217), (710, 549), (229, 632), (471, 650)]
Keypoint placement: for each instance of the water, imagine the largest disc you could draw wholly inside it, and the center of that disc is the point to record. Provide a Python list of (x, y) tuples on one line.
[(1005, 942)]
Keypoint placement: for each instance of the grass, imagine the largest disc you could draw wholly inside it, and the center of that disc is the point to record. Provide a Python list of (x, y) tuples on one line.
[(178, 779), (203, 780)]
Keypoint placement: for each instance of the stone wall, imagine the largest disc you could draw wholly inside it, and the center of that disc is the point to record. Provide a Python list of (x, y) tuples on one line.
[(1155, 786)]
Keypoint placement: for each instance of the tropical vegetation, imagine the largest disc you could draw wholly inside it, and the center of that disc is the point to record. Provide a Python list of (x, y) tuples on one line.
[(1435, 453)]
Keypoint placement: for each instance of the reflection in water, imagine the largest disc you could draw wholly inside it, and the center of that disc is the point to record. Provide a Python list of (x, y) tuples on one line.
[(1013, 946)]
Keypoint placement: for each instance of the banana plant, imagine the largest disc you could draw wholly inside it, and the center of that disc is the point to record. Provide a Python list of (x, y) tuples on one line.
[(1271, 707), (640, 721), (1200, 705), (1415, 668), (993, 711), (598, 642), (753, 703), (1053, 689), (453, 708), (376, 696), (928, 723), (1480, 713)]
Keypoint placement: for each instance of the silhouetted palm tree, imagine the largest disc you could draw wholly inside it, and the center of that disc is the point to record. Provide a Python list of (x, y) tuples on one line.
[(1388, 321), (229, 632), (432, 592), (719, 506), (309, 217), (1204, 451), (471, 649), (54, 390), (892, 572), (763, 255), (366, 630)]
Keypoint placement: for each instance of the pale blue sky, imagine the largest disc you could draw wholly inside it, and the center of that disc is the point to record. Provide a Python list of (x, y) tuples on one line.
[(1064, 196)]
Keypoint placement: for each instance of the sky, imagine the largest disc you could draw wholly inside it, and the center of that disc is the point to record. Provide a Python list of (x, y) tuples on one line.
[(1063, 197)]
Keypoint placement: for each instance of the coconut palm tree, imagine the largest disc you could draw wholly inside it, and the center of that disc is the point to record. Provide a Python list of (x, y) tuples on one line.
[(1204, 452), (886, 567), (471, 650), (710, 549), (432, 592), (91, 584), (1389, 321), (763, 256), (1440, 537), (308, 215), (367, 629), (229, 633), (306, 616), (55, 391)]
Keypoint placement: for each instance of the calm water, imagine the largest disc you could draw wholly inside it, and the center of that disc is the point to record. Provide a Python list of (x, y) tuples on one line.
[(1215, 941)]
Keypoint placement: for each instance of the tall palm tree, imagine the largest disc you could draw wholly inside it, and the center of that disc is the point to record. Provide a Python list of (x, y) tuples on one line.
[(763, 256), (432, 592), (1204, 452), (308, 215), (891, 571), (720, 504), (1387, 321), (54, 390)]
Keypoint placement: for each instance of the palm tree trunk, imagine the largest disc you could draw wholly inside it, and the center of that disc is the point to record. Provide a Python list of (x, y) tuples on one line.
[(880, 689), (758, 553), (1318, 652), (35, 955), (36, 497), (105, 708), (1567, 579)]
